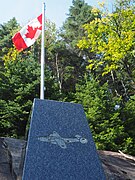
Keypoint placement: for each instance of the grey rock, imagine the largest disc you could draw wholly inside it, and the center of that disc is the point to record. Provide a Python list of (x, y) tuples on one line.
[(116, 166), (17, 150), (6, 166)]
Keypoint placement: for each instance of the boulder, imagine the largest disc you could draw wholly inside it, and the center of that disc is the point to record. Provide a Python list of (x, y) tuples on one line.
[(117, 165), (6, 159)]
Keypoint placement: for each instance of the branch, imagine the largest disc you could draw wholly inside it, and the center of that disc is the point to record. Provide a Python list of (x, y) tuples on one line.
[(127, 156)]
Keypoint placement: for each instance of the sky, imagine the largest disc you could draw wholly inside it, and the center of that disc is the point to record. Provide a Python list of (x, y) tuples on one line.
[(25, 10)]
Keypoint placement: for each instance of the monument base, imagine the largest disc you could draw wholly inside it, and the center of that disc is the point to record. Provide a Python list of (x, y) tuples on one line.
[(60, 145)]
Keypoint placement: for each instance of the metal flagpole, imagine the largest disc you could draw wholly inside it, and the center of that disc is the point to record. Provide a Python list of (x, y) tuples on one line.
[(42, 87)]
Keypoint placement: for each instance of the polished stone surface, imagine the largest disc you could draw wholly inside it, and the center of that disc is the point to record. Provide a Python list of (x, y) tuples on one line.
[(60, 145)]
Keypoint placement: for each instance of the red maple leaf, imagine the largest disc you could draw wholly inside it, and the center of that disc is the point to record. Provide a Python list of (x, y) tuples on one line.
[(31, 32)]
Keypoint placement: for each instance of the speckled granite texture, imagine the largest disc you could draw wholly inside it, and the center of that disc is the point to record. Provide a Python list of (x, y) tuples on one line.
[(47, 160)]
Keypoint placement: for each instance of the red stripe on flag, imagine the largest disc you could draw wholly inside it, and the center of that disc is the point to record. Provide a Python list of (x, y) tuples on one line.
[(40, 18), (19, 42)]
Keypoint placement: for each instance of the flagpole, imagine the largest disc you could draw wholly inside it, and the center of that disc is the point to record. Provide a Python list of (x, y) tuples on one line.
[(42, 87)]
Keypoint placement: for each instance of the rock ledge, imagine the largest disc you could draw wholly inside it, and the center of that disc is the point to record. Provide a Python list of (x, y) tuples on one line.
[(116, 165)]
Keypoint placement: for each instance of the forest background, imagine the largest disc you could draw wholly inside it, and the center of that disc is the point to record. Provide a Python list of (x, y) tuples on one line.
[(89, 60)]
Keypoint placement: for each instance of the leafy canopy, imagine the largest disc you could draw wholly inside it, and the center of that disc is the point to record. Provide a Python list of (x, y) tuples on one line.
[(111, 37)]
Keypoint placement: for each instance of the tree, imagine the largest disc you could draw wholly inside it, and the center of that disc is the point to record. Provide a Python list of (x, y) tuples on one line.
[(7, 31), (111, 38), (104, 115), (79, 14), (19, 85), (112, 126), (20, 79), (129, 124), (62, 61), (67, 61)]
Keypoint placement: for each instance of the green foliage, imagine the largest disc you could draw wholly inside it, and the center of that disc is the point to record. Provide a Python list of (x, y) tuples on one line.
[(11, 120), (17, 91), (104, 119), (7, 31), (67, 62), (20, 80), (79, 14), (66, 67), (129, 124), (112, 38)]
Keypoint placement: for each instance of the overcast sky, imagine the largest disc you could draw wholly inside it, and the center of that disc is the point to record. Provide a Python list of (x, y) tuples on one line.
[(25, 10)]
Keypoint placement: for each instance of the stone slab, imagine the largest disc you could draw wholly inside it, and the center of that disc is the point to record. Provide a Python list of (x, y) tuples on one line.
[(60, 145)]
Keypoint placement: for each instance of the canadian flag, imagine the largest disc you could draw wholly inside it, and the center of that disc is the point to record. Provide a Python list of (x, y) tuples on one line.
[(28, 34)]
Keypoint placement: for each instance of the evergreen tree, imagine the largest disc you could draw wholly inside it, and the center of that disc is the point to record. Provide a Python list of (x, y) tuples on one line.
[(79, 14), (104, 115), (19, 85), (129, 124), (68, 60), (7, 31)]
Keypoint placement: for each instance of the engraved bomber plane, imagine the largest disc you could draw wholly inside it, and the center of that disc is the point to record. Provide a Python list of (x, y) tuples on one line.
[(55, 138)]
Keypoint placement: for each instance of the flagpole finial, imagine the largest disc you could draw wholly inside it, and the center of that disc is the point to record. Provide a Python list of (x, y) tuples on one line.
[(44, 5)]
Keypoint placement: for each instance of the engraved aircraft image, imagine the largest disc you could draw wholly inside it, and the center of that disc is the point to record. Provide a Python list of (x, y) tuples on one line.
[(55, 138)]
